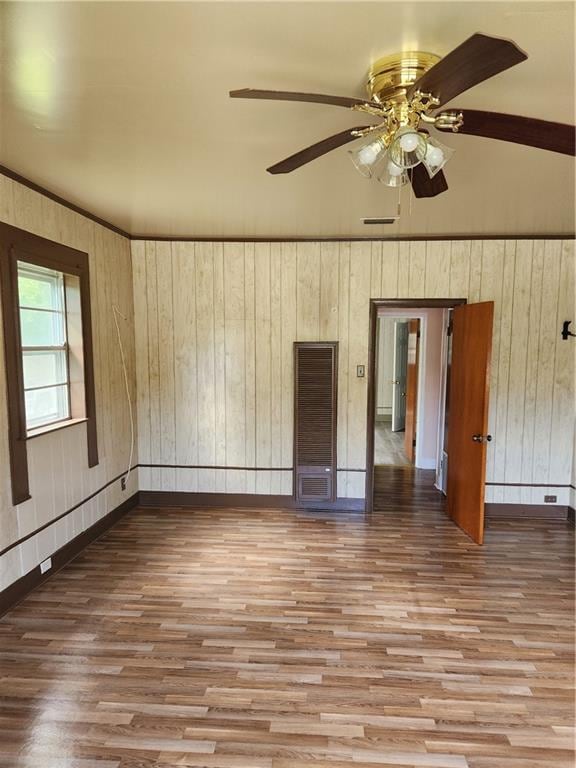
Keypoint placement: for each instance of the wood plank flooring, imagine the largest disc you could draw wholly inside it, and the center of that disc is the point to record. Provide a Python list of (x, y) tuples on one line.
[(388, 445), (280, 639)]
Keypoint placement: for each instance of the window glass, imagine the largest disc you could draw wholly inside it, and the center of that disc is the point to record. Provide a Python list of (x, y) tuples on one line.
[(44, 345), (46, 406)]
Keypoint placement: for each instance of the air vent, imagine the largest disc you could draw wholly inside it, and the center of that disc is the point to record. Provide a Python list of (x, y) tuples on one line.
[(390, 220), (315, 420)]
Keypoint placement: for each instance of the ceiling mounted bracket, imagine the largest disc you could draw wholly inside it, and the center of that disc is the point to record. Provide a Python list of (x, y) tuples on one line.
[(390, 77)]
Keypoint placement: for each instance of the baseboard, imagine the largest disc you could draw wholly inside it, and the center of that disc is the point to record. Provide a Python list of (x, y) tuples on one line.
[(426, 464), (254, 500), (17, 591), (542, 511)]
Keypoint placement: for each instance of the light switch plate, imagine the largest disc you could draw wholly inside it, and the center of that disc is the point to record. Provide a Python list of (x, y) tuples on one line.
[(46, 565), (360, 369)]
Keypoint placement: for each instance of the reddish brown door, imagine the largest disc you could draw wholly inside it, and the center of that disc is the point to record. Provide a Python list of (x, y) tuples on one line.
[(412, 388), (468, 419)]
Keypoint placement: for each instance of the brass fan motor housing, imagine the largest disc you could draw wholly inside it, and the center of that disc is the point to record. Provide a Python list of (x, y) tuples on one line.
[(391, 76)]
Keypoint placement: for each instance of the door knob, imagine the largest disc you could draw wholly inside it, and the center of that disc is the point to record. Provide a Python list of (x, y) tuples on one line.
[(482, 438)]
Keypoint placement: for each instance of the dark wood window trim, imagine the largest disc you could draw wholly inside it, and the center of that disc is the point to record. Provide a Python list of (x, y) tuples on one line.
[(17, 245)]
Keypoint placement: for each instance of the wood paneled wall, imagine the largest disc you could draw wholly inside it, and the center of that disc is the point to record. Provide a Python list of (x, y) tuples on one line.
[(215, 324), (59, 474)]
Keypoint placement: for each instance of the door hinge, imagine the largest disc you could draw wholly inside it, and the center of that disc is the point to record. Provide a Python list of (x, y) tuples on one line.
[(417, 334), (449, 329), (414, 443)]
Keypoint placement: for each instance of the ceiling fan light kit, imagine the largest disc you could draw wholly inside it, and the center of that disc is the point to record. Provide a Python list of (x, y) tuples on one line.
[(405, 92)]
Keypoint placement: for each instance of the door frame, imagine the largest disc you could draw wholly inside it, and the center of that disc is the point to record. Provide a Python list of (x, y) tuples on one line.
[(375, 305)]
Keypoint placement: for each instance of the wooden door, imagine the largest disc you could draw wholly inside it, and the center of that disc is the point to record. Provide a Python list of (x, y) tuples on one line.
[(315, 411), (468, 419), (399, 376), (412, 389)]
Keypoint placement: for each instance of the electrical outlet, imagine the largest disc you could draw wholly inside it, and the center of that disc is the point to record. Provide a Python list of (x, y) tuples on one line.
[(46, 565), (123, 483), (550, 499)]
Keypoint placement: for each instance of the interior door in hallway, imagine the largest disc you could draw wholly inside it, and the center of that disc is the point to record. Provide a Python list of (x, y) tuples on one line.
[(468, 417), (399, 375), (411, 390)]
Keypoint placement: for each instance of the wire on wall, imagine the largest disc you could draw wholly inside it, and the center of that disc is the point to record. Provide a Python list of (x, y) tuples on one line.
[(116, 313)]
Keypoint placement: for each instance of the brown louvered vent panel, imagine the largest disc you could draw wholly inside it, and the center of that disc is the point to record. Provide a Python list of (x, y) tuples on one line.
[(315, 421)]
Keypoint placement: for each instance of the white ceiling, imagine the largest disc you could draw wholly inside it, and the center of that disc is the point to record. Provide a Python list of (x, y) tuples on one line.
[(122, 108)]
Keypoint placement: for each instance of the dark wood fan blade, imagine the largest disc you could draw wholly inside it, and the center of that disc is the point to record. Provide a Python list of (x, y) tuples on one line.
[(556, 137), (314, 151), (423, 185), (475, 60), (316, 98)]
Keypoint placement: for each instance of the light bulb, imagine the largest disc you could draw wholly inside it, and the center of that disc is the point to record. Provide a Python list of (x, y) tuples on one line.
[(394, 170), (368, 154), (409, 141), (434, 155)]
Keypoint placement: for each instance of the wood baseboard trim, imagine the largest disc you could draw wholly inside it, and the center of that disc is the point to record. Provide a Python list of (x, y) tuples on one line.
[(17, 591), (247, 500), (528, 511)]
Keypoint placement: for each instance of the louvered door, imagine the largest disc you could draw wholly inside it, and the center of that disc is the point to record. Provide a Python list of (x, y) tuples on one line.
[(315, 403)]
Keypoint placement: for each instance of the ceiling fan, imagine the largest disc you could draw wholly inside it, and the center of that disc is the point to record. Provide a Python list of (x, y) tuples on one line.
[(404, 90)]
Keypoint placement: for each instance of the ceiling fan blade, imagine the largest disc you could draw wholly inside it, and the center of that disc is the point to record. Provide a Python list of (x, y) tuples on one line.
[(314, 151), (475, 60), (556, 137), (423, 185), (316, 98)]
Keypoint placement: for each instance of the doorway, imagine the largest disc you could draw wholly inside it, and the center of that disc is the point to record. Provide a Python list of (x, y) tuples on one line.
[(409, 380), (441, 453)]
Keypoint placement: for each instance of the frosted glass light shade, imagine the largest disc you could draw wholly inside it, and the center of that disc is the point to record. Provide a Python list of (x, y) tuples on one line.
[(436, 157), (408, 148), (365, 157)]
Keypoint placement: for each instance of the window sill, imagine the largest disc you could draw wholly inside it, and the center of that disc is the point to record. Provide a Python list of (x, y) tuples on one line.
[(54, 427)]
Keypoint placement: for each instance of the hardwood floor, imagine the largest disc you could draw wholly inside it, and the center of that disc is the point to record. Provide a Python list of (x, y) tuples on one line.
[(388, 445), (280, 639)]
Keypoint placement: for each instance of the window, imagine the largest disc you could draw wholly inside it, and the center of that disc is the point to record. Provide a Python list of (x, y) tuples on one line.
[(44, 345), (45, 291)]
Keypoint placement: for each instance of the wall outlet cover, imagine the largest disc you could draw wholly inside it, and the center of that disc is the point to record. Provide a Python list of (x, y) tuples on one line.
[(46, 565), (550, 499)]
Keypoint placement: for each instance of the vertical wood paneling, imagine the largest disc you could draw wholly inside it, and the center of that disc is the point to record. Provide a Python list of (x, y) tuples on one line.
[(205, 362), (165, 283), (563, 403), (517, 376), (219, 368), (59, 475), (252, 301), (185, 363), (250, 362), (459, 268), (390, 270), (275, 365), (263, 362), (308, 291), (343, 364), (328, 292), (532, 363), (235, 351), (498, 414), (437, 271), (288, 336)]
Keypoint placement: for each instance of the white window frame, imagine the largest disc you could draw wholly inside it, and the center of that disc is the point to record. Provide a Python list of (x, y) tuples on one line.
[(57, 278)]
